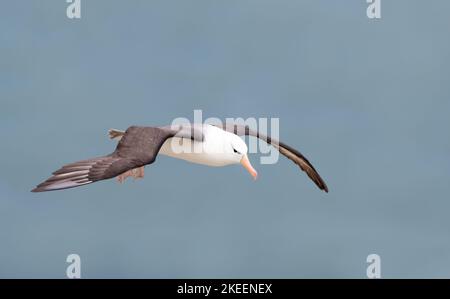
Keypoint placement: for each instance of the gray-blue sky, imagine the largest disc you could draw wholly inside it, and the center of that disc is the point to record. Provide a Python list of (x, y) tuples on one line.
[(367, 101)]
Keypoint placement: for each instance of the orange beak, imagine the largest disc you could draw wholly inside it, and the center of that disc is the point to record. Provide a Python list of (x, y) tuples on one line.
[(246, 163)]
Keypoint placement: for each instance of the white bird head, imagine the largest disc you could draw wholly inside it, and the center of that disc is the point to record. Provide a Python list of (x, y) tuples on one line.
[(237, 151)]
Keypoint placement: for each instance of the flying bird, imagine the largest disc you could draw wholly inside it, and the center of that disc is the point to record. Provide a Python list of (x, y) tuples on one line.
[(139, 146)]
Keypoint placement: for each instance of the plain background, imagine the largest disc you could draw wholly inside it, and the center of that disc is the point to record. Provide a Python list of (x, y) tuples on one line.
[(367, 101)]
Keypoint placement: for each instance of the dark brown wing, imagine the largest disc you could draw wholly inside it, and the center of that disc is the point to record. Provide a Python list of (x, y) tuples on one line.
[(284, 149), (138, 147)]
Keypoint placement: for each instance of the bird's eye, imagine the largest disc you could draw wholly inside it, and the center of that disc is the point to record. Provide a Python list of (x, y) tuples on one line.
[(236, 151)]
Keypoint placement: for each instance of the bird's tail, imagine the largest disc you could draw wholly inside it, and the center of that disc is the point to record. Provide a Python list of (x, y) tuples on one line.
[(116, 134)]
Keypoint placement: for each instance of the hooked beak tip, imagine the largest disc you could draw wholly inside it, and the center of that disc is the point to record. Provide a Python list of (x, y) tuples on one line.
[(246, 163), (255, 176)]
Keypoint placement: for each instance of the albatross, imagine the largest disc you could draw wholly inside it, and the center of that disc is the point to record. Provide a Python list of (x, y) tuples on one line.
[(219, 145)]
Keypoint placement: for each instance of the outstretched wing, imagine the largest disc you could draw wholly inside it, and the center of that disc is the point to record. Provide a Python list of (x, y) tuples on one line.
[(284, 149), (139, 146)]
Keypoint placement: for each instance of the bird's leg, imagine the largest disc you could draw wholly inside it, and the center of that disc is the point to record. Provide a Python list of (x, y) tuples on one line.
[(136, 173), (122, 177)]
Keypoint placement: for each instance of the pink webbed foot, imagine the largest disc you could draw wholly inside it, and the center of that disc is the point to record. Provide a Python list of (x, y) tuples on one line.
[(136, 173)]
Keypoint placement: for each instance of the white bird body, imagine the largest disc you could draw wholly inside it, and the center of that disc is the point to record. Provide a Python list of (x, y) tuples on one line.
[(216, 149)]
